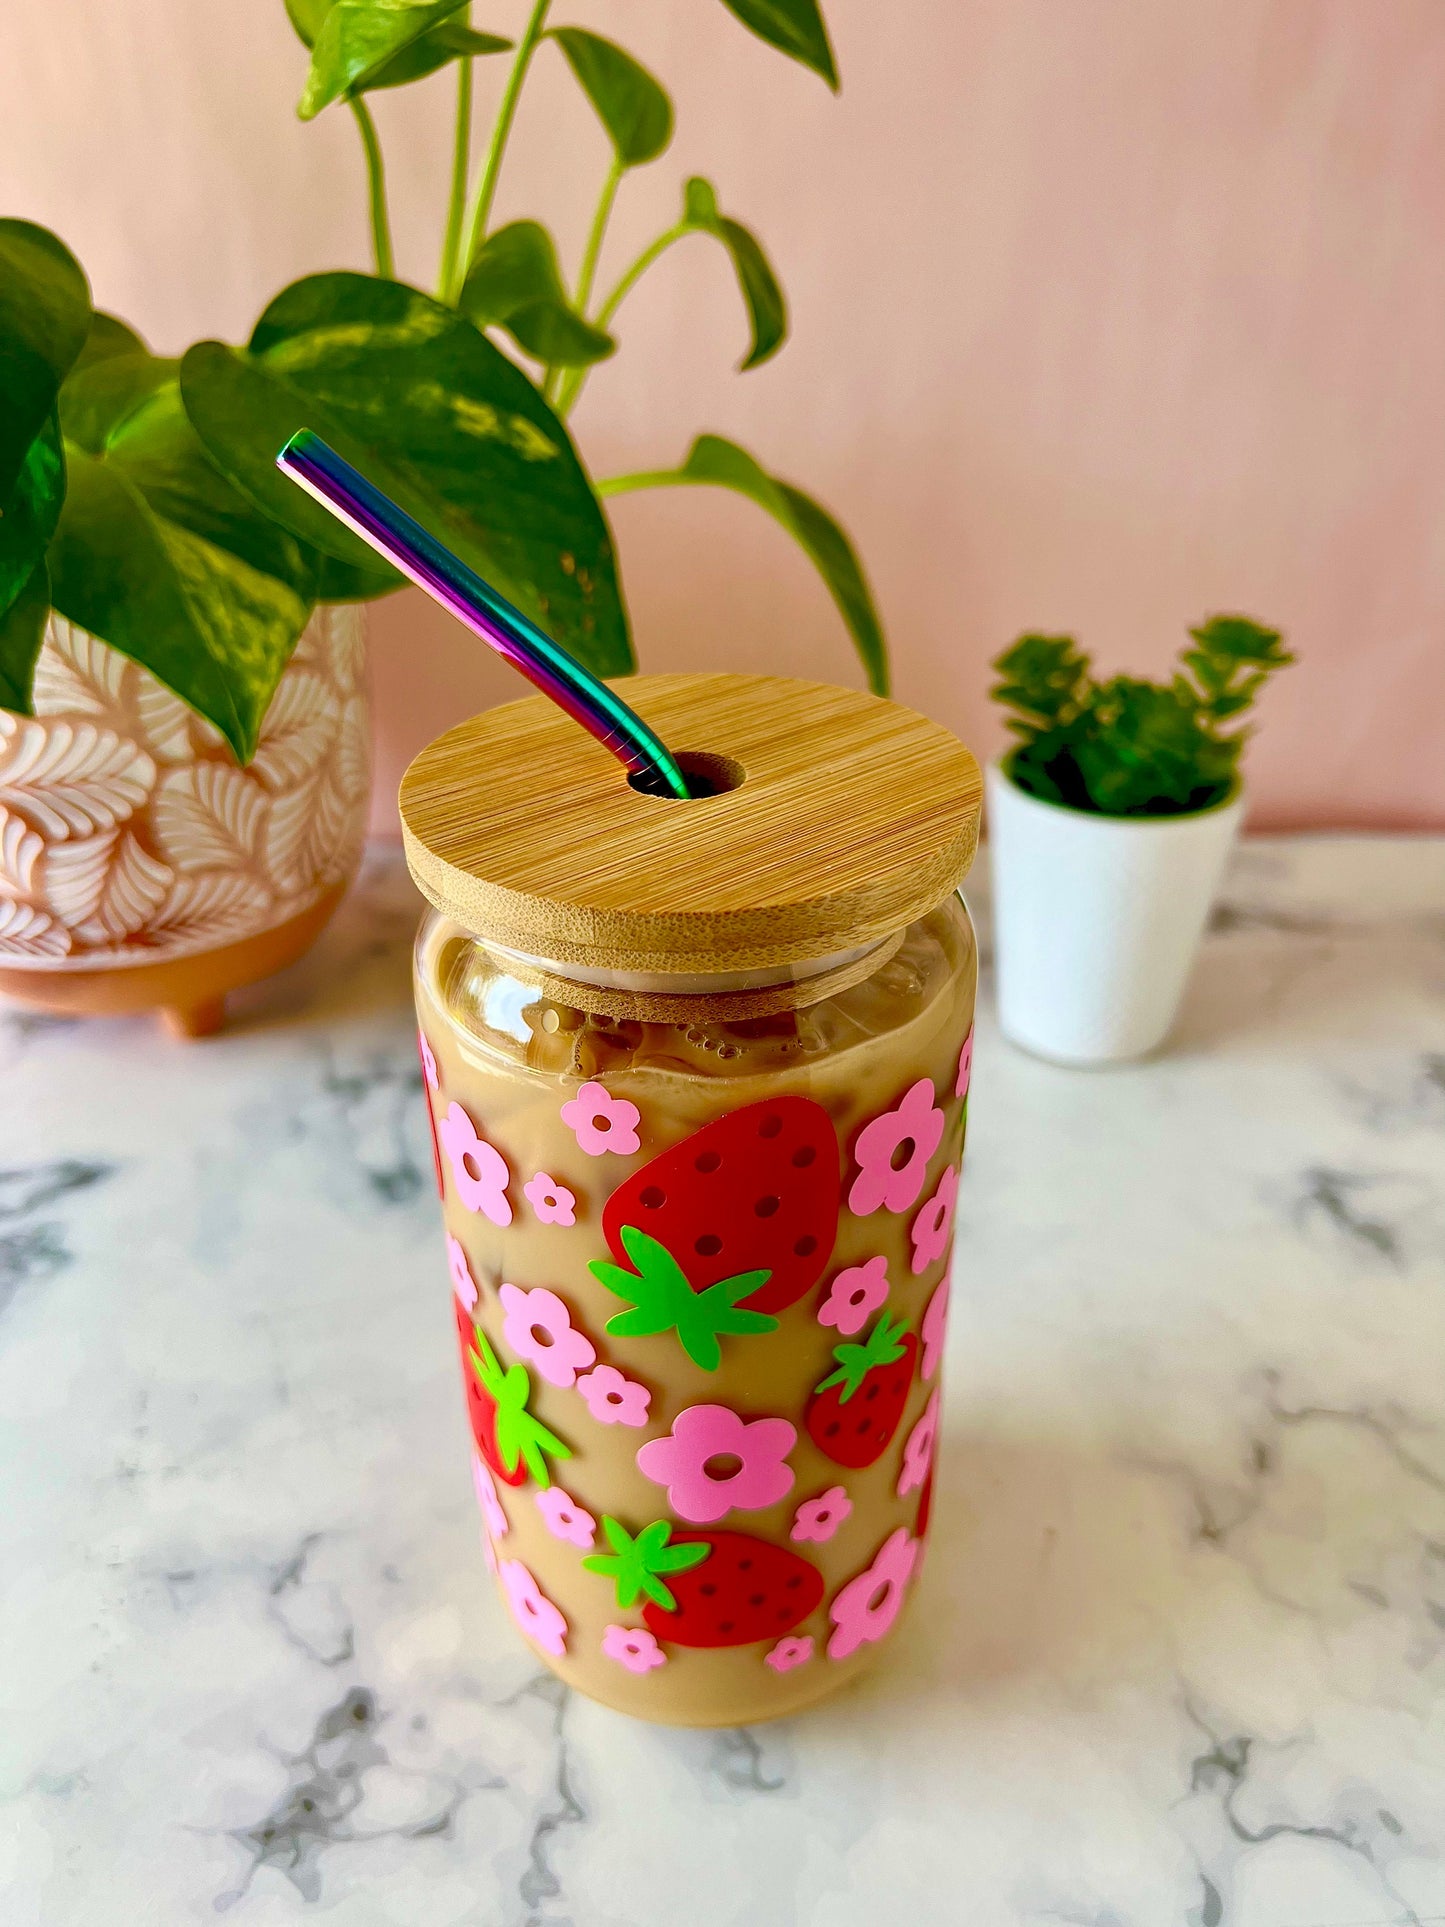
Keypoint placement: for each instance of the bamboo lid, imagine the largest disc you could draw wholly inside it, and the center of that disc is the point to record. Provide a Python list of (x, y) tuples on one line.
[(850, 817)]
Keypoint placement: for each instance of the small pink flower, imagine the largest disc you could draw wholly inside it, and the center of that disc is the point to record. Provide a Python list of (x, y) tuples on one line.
[(790, 1652), (965, 1066), (867, 1606), (910, 1133), (633, 1647), (488, 1498), (613, 1399), (538, 1327), (935, 1323), (818, 1519), (553, 1203), (713, 1461), (933, 1227), (854, 1296), (602, 1123), (918, 1453), (478, 1168), (565, 1519), (428, 1061), (533, 1611), (463, 1282)]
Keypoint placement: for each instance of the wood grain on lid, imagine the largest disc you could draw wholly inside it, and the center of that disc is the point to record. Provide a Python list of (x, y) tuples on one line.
[(854, 816)]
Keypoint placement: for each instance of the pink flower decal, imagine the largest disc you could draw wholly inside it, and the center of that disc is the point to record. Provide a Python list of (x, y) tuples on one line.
[(867, 1606), (538, 1328), (933, 1227), (551, 1202), (565, 1519), (854, 1296), (613, 1399), (633, 1647), (464, 1284), (498, 1524), (533, 1611), (790, 1652), (893, 1153), (713, 1461), (818, 1519), (478, 1169), (935, 1323), (965, 1066), (428, 1061), (918, 1453), (600, 1122)]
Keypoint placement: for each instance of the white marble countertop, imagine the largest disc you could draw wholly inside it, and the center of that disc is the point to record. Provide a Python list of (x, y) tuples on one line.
[(1183, 1628)]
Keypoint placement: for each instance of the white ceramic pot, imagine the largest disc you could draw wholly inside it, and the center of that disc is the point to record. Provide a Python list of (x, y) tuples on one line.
[(139, 866), (1097, 919)]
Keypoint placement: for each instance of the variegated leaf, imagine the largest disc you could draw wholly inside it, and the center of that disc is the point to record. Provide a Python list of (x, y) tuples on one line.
[(70, 778), (209, 817)]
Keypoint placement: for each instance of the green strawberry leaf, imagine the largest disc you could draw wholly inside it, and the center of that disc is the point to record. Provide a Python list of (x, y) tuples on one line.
[(663, 1300), (634, 1565), (520, 1436)]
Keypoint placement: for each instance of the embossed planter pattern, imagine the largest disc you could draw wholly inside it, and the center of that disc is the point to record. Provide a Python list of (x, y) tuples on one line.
[(130, 838)]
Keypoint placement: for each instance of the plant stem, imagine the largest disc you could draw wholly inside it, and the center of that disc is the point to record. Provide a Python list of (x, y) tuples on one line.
[(643, 478), (572, 387), (481, 209), (376, 188), (448, 277), (587, 273)]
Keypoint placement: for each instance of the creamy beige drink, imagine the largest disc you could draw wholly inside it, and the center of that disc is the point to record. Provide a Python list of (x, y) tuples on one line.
[(697, 1073), (509, 1062)]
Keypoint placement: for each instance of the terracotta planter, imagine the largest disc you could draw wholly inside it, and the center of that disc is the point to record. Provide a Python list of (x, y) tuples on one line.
[(140, 868)]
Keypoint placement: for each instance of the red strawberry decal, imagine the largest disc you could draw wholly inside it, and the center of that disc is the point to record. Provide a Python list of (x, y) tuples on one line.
[(757, 1190), (856, 1409), (708, 1588), (507, 1436)]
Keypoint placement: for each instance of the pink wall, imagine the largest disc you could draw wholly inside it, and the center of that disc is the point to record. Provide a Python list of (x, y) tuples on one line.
[(1106, 315)]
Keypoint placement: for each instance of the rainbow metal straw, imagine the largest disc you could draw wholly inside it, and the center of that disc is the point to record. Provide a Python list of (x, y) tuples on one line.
[(407, 546)]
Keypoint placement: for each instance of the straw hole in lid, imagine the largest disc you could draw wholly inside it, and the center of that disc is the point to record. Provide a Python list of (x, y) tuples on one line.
[(707, 775)]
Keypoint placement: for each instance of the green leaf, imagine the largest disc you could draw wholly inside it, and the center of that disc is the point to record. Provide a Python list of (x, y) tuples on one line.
[(634, 1565), (423, 404), (795, 27), (108, 336), (662, 1300), (308, 17), (22, 630), (766, 305), (34, 508), (430, 51), (355, 38), (515, 283), (632, 106), (44, 318), (213, 628), (722, 464), (98, 396)]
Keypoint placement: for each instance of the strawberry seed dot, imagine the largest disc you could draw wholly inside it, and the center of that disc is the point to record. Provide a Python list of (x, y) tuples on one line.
[(708, 1590), (804, 1156), (652, 1198), (706, 1161), (771, 1125), (708, 1246), (757, 1599), (765, 1207), (805, 1247)]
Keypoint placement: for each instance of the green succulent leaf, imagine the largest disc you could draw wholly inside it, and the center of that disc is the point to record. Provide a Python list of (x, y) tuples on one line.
[(357, 40), (22, 630), (1129, 747), (722, 464), (44, 319), (795, 27), (766, 304), (662, 1300), (632, 106), (212, 627), (515, 283), (635, 1565), (26, 528), (418, 399)]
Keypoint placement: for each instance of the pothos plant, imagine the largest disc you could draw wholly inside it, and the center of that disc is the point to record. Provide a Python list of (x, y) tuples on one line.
[(138, 493), (1129, 747)]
